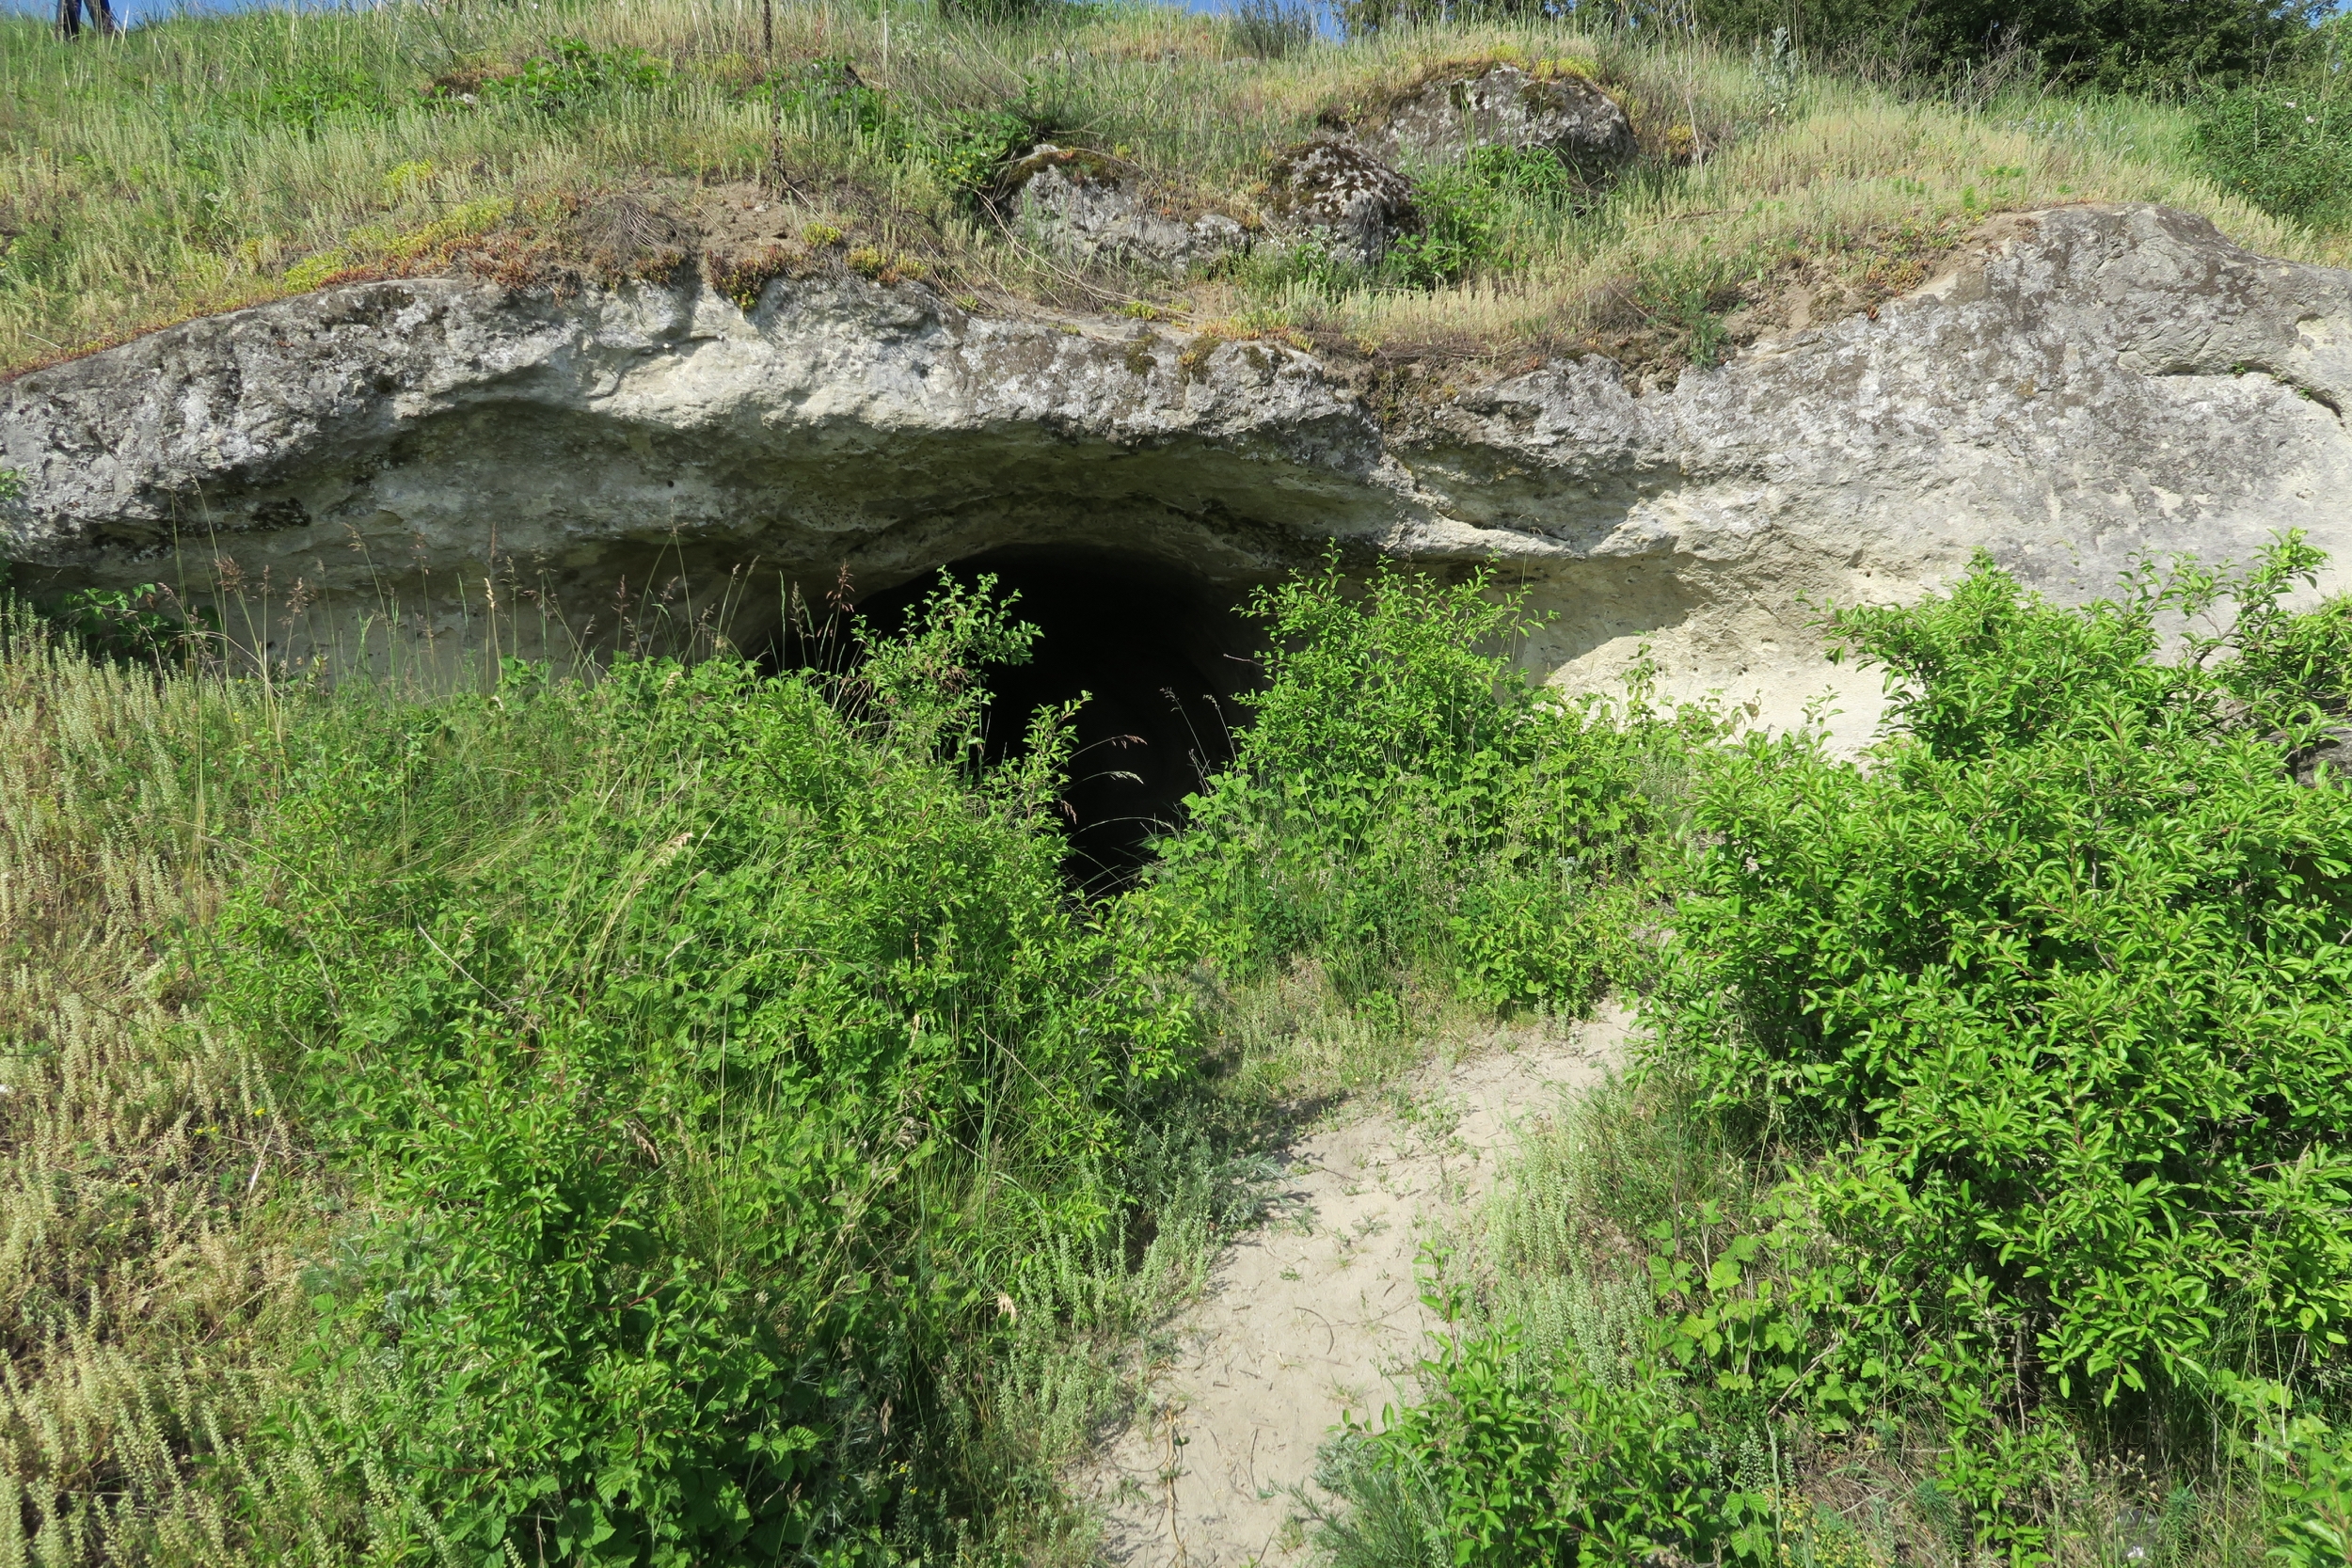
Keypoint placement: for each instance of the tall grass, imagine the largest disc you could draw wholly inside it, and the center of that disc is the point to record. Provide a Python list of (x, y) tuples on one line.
[(156, 1205)]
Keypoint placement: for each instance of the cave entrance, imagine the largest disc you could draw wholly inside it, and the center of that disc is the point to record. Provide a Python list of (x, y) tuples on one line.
[(1163, 656)]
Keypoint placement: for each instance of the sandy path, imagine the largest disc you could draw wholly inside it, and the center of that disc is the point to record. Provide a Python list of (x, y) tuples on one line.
[(1316, 1312)]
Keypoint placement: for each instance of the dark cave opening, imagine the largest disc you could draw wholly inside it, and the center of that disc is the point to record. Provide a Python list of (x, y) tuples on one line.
[(1159, 653)]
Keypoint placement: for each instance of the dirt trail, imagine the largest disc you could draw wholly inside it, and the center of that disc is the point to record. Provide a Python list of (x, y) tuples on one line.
[(1318, 1311)]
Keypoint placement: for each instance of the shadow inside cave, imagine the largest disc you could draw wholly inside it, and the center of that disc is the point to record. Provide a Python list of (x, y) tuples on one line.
[(1160, 656)]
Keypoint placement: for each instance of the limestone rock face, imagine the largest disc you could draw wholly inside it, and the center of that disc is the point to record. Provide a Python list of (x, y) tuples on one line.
[(1569, 117), (1088, 206), (1339, 189), (2084, 385)]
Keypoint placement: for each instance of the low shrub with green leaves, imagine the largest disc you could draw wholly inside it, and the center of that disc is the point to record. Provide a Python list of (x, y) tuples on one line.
[(1474, 213), (1405, 798), (2063, 971), (2285, 148), (718, 1053)]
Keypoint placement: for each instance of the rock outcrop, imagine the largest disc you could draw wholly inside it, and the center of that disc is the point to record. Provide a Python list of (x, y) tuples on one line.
[(2083, 385), (1567, 116)]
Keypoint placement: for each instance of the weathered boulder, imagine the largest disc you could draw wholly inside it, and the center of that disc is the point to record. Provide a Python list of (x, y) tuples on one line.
[(1567, 116), (1340, 190), (1090, 207), (2081, 387)]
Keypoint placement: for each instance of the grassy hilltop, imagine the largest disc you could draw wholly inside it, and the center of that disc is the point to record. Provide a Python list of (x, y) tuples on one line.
[(204, 163)]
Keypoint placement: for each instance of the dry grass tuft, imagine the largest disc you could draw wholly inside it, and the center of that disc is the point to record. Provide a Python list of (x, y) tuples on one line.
[(155, 1207)]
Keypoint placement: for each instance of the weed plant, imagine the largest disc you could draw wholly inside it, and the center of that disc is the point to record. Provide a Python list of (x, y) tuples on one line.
[(1406, 803)]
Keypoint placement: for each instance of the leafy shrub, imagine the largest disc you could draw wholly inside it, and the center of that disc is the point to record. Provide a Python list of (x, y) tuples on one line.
[(1467, 212), (1513, 1465), (2288, 151), (969, 149), (2135, 45), (1405, 797), (146, 625), (832, 89), (573, 73), (727, 1046), (2306, 1467), (316, 94), (2055, 985)]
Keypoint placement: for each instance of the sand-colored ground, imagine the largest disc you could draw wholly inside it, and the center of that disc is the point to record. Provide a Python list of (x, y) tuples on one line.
[(1318, 1312)]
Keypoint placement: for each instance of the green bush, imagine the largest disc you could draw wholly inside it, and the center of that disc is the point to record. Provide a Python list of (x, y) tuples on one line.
[(1405, 799), (2286, 149), (2121, 45), (573, 72), (1516, 1467), (1469, 212), (316, 94), (728, 1051), (2066, 964)]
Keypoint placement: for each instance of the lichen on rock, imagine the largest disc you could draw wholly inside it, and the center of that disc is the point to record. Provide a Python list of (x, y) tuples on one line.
[(1336, 188), (1560, 112), (1093, 206)]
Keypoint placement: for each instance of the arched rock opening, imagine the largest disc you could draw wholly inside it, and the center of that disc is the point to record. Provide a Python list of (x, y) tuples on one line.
[(1159, 654)]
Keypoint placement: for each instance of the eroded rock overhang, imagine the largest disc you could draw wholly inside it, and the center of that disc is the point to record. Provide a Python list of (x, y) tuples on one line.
[(2082, 385)]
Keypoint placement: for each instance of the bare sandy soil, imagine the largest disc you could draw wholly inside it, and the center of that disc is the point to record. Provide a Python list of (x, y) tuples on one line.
[(1318, 1312)]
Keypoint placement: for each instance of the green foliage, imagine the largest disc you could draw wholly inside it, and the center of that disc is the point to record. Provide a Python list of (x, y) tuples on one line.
[(315, 94), (144, 625), (1468, 212), (725, 1049), (1514, 1465), (2287, 149), (2120, 45), (969, 149), (2307, 1472), (1405, 797), (2063, 960), (573, 74), (832, 89)]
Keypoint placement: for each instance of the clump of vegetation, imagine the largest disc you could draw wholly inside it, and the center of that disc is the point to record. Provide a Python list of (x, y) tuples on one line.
[(1999, 1074), (717, 1049), (1405, 801), (2287, 149)]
